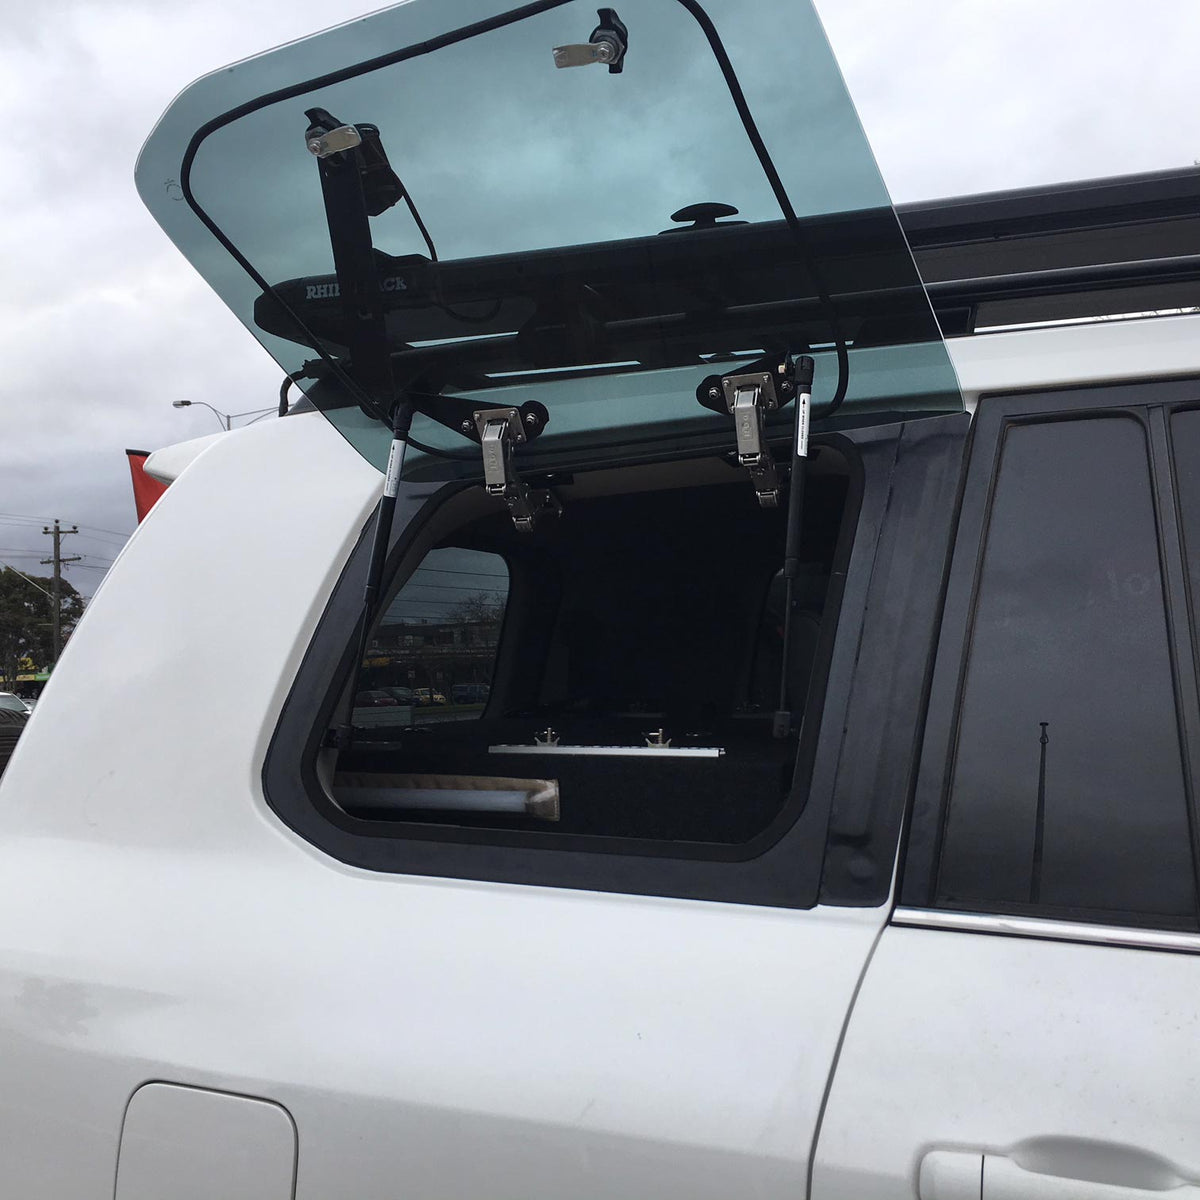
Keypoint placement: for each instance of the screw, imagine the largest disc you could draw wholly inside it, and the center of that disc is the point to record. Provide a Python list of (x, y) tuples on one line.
[(531, 419), (314, 146), (465, 427), (714, 393)]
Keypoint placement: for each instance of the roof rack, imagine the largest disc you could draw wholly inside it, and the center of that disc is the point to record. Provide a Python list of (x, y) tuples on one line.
[(1094, 248)]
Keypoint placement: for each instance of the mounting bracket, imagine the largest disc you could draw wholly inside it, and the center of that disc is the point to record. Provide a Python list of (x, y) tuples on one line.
[(356, 184)]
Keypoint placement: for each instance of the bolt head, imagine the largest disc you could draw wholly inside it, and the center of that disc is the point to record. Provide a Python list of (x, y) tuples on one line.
[(314, 145), (714, 393), (466, 427)]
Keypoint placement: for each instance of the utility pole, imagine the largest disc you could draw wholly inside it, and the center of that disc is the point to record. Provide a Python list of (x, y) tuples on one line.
[(58, 533)]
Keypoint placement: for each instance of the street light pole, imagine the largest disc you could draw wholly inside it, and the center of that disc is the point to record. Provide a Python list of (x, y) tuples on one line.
[(226, 419)]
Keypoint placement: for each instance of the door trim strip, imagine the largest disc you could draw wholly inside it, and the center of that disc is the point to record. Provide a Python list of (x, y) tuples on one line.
[(1047, 929)]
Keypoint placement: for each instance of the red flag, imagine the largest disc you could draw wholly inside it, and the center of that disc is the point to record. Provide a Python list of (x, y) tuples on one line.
[(146, 489)]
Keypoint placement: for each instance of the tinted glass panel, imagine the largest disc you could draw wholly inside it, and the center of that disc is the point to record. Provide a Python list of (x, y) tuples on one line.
[(431, 657), (1070, 638), (544, 192)]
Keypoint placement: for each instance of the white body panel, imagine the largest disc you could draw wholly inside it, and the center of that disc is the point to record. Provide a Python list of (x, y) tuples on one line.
[(442, 1037), (445, 1038), (1064, 1060), (1072, 355), (167, 464)]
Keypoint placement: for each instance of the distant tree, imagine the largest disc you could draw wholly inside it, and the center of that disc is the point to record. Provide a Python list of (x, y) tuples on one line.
[(486, 608), (26, 619)]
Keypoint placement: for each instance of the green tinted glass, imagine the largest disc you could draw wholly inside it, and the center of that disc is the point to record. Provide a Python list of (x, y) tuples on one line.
[(553, 268)]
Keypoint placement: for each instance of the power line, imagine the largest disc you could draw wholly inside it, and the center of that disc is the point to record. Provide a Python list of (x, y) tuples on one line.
[(447, 571), (30, 582), (43, 520)]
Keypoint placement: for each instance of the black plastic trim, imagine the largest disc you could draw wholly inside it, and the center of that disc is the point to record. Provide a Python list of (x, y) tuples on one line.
[(885, 715)]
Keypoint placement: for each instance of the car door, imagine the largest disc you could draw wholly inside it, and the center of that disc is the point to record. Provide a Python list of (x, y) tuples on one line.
[(1027, 1026)]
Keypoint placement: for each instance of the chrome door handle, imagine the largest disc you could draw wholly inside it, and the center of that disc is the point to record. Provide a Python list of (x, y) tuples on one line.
[(970, 1175)]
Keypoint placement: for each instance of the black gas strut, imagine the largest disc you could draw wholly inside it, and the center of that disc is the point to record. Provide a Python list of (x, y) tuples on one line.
[(748, 395), (805, 367)]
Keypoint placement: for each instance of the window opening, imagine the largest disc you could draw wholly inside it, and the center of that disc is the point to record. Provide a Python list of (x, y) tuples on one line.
[(613, 674)]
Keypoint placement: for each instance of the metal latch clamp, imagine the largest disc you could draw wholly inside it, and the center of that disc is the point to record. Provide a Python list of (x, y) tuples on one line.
[(500, 432), (749, 398), (768, 385)]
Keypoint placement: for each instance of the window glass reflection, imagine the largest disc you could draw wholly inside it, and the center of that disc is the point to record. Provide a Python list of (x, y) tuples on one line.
[(1067, 788)]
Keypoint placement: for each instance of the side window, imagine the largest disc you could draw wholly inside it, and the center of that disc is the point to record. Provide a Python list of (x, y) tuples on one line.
[(1066, 784), (431, 658)]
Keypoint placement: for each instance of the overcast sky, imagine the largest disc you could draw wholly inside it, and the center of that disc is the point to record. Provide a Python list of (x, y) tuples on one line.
[(103, 324)]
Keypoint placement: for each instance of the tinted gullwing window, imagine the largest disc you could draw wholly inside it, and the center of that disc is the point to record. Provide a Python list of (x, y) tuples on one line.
[(1067, 790), (608, 324)]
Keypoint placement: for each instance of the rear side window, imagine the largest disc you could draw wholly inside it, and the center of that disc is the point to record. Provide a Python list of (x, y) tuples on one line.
[(1066, 782), (430, 659)]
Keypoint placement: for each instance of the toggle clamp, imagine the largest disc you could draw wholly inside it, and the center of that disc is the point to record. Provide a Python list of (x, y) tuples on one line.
[(748, 396), (501, 431)]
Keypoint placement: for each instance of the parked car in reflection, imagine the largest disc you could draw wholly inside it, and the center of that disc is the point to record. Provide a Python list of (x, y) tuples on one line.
[(374, 698), (12, 722), (11, 703)]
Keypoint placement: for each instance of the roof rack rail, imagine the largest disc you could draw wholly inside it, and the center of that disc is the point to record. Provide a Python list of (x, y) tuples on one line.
[(1093, 248)]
